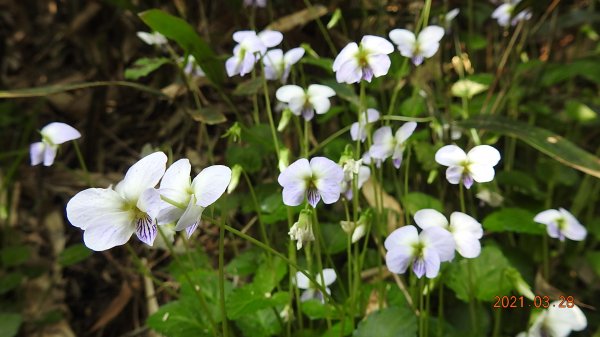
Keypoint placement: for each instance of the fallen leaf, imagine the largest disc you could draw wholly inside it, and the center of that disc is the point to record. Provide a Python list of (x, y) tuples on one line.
[(299, 18)]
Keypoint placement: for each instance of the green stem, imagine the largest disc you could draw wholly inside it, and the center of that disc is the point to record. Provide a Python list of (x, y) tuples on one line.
[(86, 173), (270, 114), (421, 309), (329, 140), (222, 278)]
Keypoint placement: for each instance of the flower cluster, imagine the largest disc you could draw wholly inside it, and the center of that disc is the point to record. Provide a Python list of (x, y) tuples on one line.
[(250, 48)]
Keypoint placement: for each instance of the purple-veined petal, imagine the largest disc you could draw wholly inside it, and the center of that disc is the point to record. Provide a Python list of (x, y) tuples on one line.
[(288, 92), (402, 237), (49, 154), (432, 263), (293, 55), (270, 38), (440, 240), (376, 45), (398, 259), (105, 235), (190, 230), (96, 206), (346, 54), (405, 40), (419, 267), (467, 180), (450, 155), (210, 184), (379, 64), (484, 155), (149, 202), (313, 197), (146, 173), (36, 153), (327, 176), (321, 104), (302, 281), (429, 217), (320, 90), (58, 133), (463, 223), (481, 173), (454, 174), (146, 229)]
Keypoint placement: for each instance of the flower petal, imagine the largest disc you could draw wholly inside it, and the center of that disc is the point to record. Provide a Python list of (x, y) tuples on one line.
[(372, 115), (482, 173), (405, 40), (440, 240), (177, 176), (454, 174), (355, 134), (484, 154), (273, 58), (270, 38), (302, 281), (405, 131), (103, 236), (547, 217), (289, 92), (402, 237), (376, 45), (429, 217), (36, 153), (429, 39), (146, 173), (321, 104), (379, 64), (242, 35), (432, 263), (96, 206), (450, 155), (467, 245), (295, 174), (573, 230), (150, 202), (210, 184), (398, 259), (345, 55), (59, 133), (49, 155), (190, 217), (349, 72), (463, 223), (293, 55), (320, 90), (146, 229), (329, 277), (327, 177), (560, 321)]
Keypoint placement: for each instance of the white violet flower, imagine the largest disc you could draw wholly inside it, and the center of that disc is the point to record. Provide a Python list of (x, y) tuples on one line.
[(477, 165), (153, 39), (557, 321), (386, 145), (306, 102), (324, 278), (504, 13), (465, 230), (363, 62), (420, 47), (278, 65), (250, 48), (561, 224), (110, 216), (53, 135), (358, 130)]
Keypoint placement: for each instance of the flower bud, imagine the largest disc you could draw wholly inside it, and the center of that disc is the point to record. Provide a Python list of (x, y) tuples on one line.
[(284, 159), (236, 171), (302, 231), (286, 115), (519, 284), (234, 133)]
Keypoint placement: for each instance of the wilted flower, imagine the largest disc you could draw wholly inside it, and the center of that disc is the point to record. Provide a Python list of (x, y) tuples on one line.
[(184, 200), (109, 217), (420, 47), (249, 44), (477, 165), (467, 89), (356, 229), (255, 3), (355, 63), (321, 178), (306, 103), (489, 197), (504, 13), (557, 321), (53, 135), (358, 130), (465, 230), (324, 278), (451, 15), (302, 231), (424, 251), (278, 65), (561, 224), (153, 39), (385, 144)]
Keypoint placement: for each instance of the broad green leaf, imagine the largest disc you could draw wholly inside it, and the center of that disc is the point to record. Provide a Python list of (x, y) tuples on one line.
[(594, 260), (210, 115), (250, 87), (487, 274), (14, 255), (335, 239), (516, 220), (269, 274), (185, 35), (244, 264), (74, 254), (323, 63), (9, 324), (314, 309), (336, 329), (545, 141), (344, 91), (519, 181), (245, 156), (559, 72), (179, 319), (143, 67), (389, 322), (260, 323), (415, 201), (249, 299)]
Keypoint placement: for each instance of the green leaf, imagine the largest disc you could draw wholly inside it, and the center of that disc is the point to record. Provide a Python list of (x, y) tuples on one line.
[(14, 256), (415, 201), (249, 299), (269, 274), (545, 141), (210, 115), (323, 63), (389, 322), (594, 260), (521, 182), (9, 324), (244, 264), (336, 330), (314, 309), (486, 273), (344, 91), (74, 254), (185, 35), (516, 220), (10, 281), (250, 87), (143, 67), (335, 239), (261, 323), (179, 319)]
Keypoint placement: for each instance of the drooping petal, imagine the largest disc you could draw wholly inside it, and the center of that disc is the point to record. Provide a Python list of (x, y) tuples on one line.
[(327, 177), (293, 55), (463, 223), (405, 40), (328, 275), (573, 228), (302, 281), (429, 217), (450, 155), (96, 206), (109, 234), (440, 240), (482, 173), (49, 154), (419, 267), (36, 153), (210, 184), (345, 55), (321, 104), (150, 203), (320, 90), (190, 217), (454, 174), (146, 173), (484, 154), (432, 263), (376, 45), (405, 131), (270, 38), (190, 230), (58, 133), (402, 237), (288, 92), (379, 64), (398, 259)]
